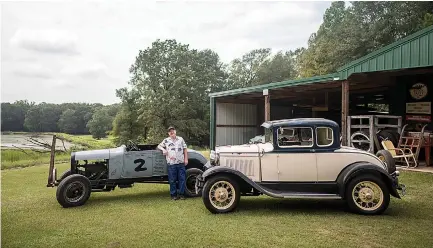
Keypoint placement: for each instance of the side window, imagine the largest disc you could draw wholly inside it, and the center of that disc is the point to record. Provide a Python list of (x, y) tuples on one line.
[(295, 137), (325, 136)]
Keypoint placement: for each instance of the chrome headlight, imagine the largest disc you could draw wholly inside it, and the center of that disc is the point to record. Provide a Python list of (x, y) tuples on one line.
[(214, 157)]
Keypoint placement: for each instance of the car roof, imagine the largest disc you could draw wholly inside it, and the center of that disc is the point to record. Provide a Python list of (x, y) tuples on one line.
[(300, 121)]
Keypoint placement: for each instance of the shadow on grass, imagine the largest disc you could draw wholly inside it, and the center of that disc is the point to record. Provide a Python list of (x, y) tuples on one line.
[(292, 205), (148, 196), (312, 207)]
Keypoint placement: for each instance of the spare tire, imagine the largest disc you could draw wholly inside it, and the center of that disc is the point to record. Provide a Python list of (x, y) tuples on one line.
[(389, 135), (386, 157)]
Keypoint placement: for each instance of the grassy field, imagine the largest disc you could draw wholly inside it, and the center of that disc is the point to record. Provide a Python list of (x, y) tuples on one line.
[(144, 216), (11, 158)]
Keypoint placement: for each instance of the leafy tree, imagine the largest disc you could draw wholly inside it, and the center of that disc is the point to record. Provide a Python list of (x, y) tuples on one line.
[(348, 33), (100, 123), (173, 82), (259, 67), (13, 115), (126, 124), (68, 122), (43, 118)]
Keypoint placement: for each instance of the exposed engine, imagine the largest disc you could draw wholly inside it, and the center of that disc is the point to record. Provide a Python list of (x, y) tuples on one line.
[(95, 170)]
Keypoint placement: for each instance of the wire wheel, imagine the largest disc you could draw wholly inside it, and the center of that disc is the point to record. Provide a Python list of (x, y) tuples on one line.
[(361, 140), (367, 195), (222, 195)]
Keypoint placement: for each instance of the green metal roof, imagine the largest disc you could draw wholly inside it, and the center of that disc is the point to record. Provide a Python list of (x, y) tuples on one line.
[(415, 50), (260, 88)]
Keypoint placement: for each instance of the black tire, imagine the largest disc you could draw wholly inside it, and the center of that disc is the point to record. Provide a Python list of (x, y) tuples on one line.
[(386, 156), (65, 174), (226, 180), (350, 195), (190, 179), (65, 192)]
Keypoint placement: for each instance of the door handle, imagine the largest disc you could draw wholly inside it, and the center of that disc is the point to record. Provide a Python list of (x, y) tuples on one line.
[(313, 150)]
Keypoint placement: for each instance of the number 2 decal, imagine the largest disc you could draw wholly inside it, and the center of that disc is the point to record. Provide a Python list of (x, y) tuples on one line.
[(140, 166)]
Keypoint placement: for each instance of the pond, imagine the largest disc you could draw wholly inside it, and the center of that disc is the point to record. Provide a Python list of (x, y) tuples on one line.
[(13, 141)]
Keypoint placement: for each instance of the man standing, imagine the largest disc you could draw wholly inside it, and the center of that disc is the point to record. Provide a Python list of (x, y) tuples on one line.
[(175, 150)]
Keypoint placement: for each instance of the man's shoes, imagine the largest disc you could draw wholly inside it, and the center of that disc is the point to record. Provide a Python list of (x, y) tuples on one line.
[(174, 198), (182, 197)]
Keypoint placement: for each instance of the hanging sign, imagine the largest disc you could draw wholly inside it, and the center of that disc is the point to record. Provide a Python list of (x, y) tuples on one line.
[(418, 118), (423, 108), (418, 91)]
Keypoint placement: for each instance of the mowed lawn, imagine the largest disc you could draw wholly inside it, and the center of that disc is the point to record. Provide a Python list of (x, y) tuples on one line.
[(144, 216)]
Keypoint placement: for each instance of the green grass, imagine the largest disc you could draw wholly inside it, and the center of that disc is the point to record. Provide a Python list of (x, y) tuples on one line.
[(88, 141), (13, 158), (144, 216)]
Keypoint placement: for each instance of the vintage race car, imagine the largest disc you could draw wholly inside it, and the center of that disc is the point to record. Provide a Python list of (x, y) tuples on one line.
[(103, 170), (300, 158)]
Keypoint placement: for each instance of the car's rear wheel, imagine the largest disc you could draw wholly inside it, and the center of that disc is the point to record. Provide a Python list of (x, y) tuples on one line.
[(190, 179), (73, 191), (367, 194), (221, 194)]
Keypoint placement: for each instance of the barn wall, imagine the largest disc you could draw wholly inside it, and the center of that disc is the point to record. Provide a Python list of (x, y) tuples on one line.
[(235, 123)]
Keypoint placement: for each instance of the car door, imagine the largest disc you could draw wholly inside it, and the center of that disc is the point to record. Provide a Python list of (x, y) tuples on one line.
[(137, 164), (296, 155), (269, 167)]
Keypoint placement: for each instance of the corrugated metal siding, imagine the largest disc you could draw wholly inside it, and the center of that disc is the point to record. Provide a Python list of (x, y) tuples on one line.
[(415, 50), (235, 114)]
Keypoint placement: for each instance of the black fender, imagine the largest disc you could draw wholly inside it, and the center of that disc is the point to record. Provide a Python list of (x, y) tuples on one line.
[(196, 159), (359, 168), (221, 170)]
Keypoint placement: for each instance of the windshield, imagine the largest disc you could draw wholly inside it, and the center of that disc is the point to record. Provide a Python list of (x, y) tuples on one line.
[(268, 135)]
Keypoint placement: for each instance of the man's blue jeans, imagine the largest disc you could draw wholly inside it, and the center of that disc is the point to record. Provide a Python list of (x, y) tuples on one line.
[(176, 173)]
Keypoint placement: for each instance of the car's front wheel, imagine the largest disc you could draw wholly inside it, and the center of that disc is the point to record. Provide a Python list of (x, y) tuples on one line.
[(367, 194), (73, 191), (221, 194)]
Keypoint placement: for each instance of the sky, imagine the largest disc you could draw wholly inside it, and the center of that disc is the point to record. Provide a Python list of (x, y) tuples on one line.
[(81, 51)]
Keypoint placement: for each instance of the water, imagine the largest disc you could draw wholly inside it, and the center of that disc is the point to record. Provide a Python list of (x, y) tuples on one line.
[(11, 141)]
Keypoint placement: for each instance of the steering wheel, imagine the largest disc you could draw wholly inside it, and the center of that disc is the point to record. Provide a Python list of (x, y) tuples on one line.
[(133, 145)]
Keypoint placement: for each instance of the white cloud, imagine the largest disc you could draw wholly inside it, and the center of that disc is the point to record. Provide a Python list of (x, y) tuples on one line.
[(33, 71), (46, 41), (82, 51)]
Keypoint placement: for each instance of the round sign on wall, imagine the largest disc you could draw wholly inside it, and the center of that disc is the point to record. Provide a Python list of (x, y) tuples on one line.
[(418, 91)]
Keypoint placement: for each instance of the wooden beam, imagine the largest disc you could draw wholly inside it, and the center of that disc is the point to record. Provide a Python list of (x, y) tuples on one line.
[(267, 108), (51, 175), (344, 110)]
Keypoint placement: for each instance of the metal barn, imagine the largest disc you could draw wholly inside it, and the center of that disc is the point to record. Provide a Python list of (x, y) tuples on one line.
[(387, 76)]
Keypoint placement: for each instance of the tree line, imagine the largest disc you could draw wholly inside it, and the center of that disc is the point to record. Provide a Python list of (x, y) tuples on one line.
[(170, 81), (71, 118)]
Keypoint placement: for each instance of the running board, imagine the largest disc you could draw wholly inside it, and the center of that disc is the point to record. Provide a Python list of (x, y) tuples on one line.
[(312, 196), (299, 195)]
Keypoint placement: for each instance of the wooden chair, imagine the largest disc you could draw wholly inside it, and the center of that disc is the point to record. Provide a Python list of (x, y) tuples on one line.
[(400, 154)]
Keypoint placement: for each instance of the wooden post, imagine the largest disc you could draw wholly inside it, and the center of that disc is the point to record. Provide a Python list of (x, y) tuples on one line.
[(50, 172), (267, 108), (344, 110)]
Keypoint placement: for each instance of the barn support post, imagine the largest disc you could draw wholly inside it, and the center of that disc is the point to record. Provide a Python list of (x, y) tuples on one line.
[(344, 111), (267, 105), (212, 132)]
